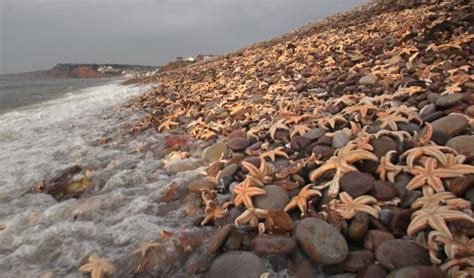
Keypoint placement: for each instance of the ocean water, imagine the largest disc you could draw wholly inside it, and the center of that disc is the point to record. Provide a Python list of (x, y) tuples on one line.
[(43, 236)]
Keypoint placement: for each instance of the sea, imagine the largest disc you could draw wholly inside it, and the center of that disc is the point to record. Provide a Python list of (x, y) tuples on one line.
[(49, 125)]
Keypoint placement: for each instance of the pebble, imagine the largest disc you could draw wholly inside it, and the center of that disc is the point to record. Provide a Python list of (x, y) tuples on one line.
[(376, 237), (199, 184), (382, 145), (358, 226), (463, 144), (449, 100), (383, 191), (238, 143), (340, 139), (417, 271), (368, 79), (299, 143), (400, 220), (401, 181), (276, 198), (460, 185), (372, 271), (470, 111), (356, 183), (273, 245), (397, 253), (409, 197), (279, 221), (237, 133), (433, 97), (325, 140), (220, 238), (427, 110), (237, 264), (357, 260), (182, 165), (324, 152), (214, 152), (451, 125), (322, 242), (315, 134), (470, 195), (228, 171), (433, 116)]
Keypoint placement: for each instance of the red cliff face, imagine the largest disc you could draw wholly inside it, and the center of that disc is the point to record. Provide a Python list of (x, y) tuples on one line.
[(84, 72)]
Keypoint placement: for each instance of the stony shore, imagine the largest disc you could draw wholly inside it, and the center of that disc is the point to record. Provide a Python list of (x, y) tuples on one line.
[(344, 148)]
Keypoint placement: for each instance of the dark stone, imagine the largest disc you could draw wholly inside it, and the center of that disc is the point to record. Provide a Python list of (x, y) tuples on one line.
[(417, 271), (463, 145), (372, 271), (273, 245), (382, 145), (449, 100), (322, 242), (376, 237), (276, 198), (322, 151), (356, 183), (356, 260), (383, 191), (299, 143), (237, 264), (220, 238), (238, 143), (397, 253), (358, 226), (451, 125)]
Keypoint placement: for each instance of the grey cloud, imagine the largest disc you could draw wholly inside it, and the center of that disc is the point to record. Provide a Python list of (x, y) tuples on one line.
[(37, 34)]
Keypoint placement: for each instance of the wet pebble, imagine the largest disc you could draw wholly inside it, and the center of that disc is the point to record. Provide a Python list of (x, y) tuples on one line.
[(382, 145), (463, 144), (383, 191), (276, 198), (357, 260), (200, 184), (237, 264), (460, 185), (397, 253), (358, 226), (400, 220), (450, 125), (357, 183), (449, 100), (340, 139), (417, 271), (368, 79), (273, 245), (322, 242), (214, 152), (315, 134), (427, 110), (322, 151), (433, 116), (220, 238), (372, 271), (409, 197), (238, 143), (299, 143), (228, 171), (376, 237), (279, 222)]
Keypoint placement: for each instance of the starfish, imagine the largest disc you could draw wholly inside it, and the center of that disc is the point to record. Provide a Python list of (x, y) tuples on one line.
[(361, 109), (278, 125), (145, 246), (341, 163), (410, 91), (387, 170), (390, 120), (262, 174), (212, 211), (347, 207), (244, 192), (167, 125), (275, 152), (431, 175), (361, 142), (400, 134), (436, 218), (299, 130), (97, 267), (437, 152), (408, 112), (331, 120), (252, 216), (458, 246), (302, 198), (431, 199)]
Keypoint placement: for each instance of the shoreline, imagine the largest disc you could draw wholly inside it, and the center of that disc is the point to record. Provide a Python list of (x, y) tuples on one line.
[(339, 149)]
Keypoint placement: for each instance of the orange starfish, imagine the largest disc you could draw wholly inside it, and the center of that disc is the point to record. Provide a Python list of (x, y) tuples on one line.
[(252, 216), (347, 207), (341, 163), (97, 267), (302, 198), (244, 193)]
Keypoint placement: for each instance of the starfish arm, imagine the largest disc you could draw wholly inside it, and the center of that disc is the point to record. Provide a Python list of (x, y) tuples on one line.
[(321, 170), (369, 210), (416, 182), (359, 155), (417, 224), (291, 205), (436, 183), (437, 222)]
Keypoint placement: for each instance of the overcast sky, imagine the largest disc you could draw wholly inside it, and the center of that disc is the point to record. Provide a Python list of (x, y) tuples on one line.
[(37, 34)]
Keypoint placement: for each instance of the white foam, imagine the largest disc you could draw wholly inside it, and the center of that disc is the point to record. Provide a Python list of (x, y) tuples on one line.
[(43, 235)]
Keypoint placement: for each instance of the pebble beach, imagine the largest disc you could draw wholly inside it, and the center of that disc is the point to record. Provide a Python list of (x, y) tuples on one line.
[(342, 149)]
